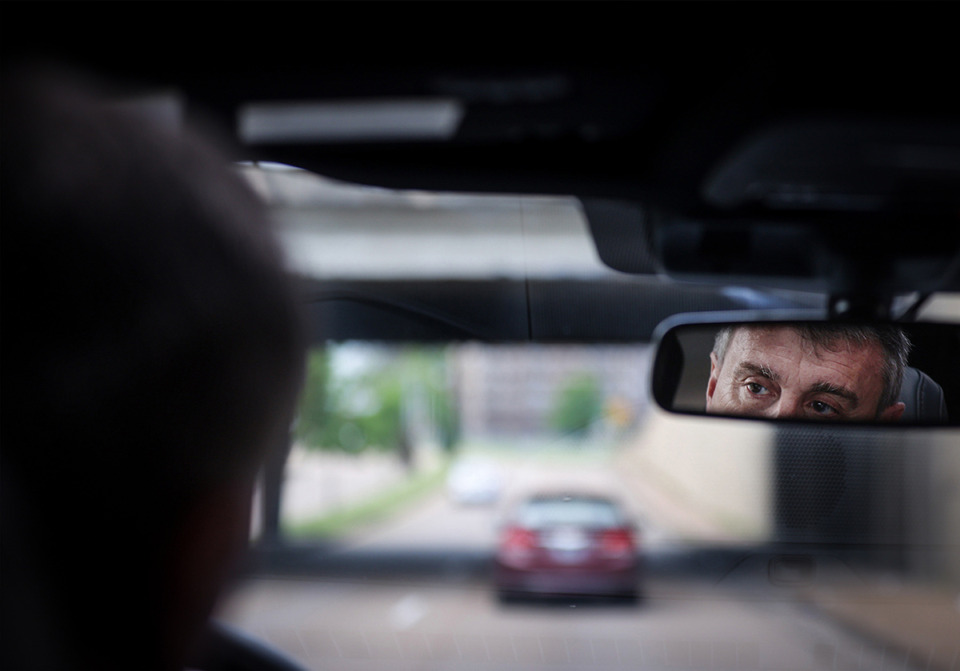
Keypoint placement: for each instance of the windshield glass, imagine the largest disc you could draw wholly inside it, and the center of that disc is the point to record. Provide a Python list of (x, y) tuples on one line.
[(384, 536)]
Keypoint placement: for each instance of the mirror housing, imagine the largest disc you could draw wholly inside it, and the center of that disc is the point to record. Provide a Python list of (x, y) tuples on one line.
[(800, 368)]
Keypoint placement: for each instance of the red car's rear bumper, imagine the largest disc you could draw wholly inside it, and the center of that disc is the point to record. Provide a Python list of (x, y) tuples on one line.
[(622, 582)]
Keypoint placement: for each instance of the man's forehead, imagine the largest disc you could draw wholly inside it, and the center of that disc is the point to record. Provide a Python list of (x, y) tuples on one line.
[(854, 358), (745, 338), (751, 335)]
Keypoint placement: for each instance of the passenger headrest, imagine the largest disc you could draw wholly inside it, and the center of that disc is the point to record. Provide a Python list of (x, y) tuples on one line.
[(923, 397)]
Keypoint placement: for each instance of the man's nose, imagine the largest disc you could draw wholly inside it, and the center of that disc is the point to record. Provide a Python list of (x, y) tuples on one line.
[(786, 408)]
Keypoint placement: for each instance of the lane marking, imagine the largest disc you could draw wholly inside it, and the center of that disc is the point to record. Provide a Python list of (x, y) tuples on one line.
[(406, 612)]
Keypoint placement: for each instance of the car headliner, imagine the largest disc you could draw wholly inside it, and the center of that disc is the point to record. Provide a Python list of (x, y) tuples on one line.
[(728, 158)]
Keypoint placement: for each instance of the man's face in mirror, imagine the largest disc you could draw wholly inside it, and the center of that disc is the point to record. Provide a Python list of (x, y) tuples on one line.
[(775, 372)]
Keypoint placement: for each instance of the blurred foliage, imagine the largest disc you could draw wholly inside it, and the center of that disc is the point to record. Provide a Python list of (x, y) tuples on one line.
[(577, 404), (398, 396), (312, 416)]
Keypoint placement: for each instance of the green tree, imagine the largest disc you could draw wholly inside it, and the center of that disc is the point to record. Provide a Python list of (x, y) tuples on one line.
[(371, 408), (313, 416), (577, 404)]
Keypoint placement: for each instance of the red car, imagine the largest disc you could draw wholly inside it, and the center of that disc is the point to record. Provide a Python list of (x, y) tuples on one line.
[(568, 545)]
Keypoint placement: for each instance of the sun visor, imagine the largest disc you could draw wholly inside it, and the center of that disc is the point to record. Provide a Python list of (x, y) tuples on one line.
[(825, 204)]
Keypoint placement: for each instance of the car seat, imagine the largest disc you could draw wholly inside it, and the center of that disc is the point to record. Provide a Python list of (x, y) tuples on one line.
[(924, 398)]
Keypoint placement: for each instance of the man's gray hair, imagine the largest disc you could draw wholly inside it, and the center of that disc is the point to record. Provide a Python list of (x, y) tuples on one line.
[(892, 339)]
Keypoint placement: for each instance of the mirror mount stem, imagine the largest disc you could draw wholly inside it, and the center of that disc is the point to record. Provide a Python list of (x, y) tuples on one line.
[(859, 306), (874, 307), (860, 293)]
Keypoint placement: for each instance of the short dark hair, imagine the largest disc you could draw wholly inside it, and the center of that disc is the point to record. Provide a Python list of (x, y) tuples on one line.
[(152, 340), (892, 339)]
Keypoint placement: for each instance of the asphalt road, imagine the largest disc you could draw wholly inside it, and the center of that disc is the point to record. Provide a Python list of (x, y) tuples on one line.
[(338, 624)]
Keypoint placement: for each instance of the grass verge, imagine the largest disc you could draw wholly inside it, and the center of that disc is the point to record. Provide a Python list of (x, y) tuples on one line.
[(375, 509)]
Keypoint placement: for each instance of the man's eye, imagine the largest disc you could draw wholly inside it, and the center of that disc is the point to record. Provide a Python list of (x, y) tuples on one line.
[(756, 388), (822, 408)]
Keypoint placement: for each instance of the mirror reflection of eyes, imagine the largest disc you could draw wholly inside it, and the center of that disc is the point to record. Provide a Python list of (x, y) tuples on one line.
[(765, 393), (760, 387)]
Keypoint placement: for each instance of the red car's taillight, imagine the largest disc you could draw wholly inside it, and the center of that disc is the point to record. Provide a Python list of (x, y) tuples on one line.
[(617, 543), (517, 546)]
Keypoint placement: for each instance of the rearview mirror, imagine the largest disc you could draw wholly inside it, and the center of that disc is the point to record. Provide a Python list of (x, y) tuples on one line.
[(811, 371)]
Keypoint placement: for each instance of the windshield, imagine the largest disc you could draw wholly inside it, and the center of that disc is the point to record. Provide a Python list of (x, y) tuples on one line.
[(416, 467)]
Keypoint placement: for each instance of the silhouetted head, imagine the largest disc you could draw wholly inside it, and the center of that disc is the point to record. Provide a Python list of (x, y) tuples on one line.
[(152, 349)]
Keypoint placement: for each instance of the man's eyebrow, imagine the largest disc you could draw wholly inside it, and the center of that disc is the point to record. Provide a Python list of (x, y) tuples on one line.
[(836, 390), (748, 368)]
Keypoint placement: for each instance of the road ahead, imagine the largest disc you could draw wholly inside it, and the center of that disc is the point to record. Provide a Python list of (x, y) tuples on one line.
[(342, 624)]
